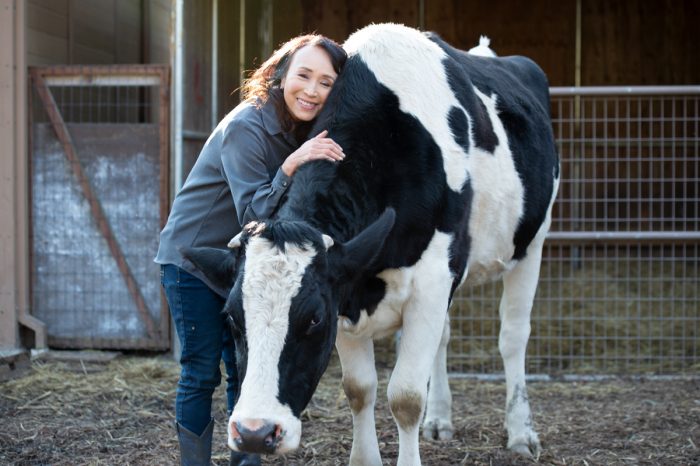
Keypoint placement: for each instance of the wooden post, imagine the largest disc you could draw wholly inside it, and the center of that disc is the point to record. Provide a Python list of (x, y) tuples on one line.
[(9, 158)]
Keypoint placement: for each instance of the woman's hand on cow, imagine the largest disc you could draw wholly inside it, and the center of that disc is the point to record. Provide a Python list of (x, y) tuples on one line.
[(317, 148)]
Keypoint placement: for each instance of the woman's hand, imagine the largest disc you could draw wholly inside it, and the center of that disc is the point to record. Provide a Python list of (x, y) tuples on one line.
[(316, 148)]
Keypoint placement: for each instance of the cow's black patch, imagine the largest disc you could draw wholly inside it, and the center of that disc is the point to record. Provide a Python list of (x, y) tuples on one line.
[(461, 245), (459, 126), (459, 80), (307, 347)]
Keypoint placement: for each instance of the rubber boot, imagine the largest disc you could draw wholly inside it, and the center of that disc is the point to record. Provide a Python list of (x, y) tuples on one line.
[(195, 450), (244, 459)]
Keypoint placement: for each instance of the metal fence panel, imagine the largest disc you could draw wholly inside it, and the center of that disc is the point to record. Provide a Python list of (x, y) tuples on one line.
[(619, 282)]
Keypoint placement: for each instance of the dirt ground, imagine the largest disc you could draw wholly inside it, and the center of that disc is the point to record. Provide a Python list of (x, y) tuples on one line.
[(121, 414)]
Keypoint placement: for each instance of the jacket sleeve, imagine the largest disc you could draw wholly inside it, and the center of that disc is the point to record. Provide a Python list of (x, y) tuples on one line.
[(244, 156)]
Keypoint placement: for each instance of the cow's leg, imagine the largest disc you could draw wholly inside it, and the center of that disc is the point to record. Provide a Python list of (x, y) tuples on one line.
[(360, 386), (438, 415), (519, 289), (424, 317), (408, 386)]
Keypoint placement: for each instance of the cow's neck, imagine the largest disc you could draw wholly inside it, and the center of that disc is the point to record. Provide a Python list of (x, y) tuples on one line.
[(330, 198)]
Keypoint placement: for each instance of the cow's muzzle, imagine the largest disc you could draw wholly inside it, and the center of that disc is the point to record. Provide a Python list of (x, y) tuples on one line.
[(256, 435)]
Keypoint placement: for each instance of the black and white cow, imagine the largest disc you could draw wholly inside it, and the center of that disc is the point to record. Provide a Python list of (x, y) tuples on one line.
[(450, 176)]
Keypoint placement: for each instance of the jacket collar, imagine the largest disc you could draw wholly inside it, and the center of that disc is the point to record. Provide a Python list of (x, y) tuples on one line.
[(270, 119)]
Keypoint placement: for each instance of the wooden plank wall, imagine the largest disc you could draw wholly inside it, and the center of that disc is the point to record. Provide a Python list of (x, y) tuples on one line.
[(640, 42), (97, 31), (626, 42), (229, 53)]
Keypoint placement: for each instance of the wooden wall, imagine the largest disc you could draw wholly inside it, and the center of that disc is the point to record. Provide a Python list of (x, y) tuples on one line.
[(625, 42), (97, 31), (640, 42)]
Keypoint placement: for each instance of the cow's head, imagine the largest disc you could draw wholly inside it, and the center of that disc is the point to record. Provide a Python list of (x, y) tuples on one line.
[(284, 279)]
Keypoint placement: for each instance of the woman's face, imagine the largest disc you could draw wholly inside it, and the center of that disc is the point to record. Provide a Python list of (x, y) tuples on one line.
[(308, 82)]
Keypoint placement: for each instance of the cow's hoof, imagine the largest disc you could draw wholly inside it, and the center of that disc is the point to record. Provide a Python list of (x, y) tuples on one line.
[(528, 450), (437, 430)]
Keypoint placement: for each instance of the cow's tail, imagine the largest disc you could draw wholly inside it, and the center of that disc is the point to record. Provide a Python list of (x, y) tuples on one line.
[(483, 49)]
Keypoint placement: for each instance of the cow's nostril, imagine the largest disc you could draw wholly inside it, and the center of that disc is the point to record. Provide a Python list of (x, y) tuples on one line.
[(257, 435)]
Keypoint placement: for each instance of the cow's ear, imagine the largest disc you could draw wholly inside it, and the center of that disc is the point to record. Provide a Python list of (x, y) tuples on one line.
[(218, 265), (360, 253)]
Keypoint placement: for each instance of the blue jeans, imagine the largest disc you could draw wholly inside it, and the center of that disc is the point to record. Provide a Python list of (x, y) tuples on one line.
[(205, 339)]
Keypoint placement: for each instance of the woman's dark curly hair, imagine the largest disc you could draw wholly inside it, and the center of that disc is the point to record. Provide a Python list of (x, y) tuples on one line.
[(264, 82)]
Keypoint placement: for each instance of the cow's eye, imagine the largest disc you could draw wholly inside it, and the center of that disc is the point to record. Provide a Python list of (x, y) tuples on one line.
[(314, 324)]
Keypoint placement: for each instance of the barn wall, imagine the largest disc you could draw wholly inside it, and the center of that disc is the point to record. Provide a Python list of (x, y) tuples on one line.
[(626, 42), (98, 31), (158, 20), (640, 42), (47, 32), (543, 30), (338, 19), (229, 55)]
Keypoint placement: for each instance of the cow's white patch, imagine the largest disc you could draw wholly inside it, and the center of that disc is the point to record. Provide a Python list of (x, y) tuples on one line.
[(497, 205), (272, 278), (483, 49), (410, 65)]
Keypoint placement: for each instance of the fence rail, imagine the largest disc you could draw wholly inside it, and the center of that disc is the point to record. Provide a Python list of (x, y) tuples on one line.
[(619, 283)]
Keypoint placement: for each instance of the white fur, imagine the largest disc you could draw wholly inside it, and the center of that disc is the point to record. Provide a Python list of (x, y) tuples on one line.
[(497, 206), (272, 279), (483, 49), (410, 65)]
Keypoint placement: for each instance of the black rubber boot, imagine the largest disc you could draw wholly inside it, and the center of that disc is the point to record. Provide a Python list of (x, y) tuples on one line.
[(195, 450), (244, 459)]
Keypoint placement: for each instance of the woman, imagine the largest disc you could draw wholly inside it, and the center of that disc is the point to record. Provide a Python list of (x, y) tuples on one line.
[(244, 168)]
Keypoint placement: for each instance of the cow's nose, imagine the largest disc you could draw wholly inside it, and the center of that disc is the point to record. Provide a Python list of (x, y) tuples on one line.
[(256, 435)]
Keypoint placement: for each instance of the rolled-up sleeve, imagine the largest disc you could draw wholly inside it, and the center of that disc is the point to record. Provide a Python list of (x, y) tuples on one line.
[(244, 156)]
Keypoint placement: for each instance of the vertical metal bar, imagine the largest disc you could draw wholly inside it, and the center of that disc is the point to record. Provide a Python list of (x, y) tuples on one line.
[(214, 63), (178, 80)]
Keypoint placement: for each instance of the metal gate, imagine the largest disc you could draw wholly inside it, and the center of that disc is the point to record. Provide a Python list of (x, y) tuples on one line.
[(99, 197), (619, 289)]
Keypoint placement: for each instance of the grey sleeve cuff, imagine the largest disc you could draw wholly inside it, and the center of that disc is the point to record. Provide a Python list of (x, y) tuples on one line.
[(263, 207), (280, 183)]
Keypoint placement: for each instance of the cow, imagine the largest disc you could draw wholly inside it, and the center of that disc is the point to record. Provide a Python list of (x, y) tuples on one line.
[(449, 178)]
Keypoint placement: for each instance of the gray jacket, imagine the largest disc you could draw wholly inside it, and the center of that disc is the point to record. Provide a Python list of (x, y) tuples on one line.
[(236, 179)]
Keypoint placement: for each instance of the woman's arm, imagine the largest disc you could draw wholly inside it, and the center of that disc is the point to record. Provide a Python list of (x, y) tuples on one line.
[(243, 156), (317, 148)]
